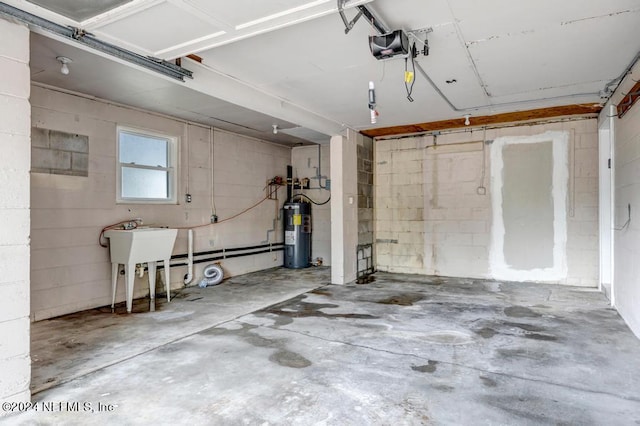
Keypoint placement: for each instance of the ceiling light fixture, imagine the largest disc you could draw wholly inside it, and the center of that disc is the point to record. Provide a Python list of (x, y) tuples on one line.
[(275, 129), (64, 61), (466, 119)]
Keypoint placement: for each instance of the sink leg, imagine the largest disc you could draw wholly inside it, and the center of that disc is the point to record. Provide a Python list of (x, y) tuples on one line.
[(114, 284), (167, 278), (152, 280), (131, 276)]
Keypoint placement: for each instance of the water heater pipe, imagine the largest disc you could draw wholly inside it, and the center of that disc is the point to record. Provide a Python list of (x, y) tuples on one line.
[(189, 263)]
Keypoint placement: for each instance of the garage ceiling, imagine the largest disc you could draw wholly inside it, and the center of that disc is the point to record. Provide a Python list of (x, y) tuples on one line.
[(289, 62)]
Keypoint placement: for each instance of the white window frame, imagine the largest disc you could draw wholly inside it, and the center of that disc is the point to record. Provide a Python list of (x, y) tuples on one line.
[(172, 167)]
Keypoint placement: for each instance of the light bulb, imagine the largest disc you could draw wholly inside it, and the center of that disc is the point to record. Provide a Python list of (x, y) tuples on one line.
[(64, 69), (275, 129), (466, 120)]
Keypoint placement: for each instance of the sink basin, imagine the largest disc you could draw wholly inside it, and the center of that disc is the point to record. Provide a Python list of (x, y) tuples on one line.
[(140, 245)]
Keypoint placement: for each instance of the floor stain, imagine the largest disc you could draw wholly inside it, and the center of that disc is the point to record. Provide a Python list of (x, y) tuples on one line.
[(525, 409), (542, 337), (407, 299), (434, 280), (280, 321), (321, 292), (525, 327), (282, 356), (486, 332), (448, 337), (290, 359), (296, 308), (520, 312), (488, 382), (444, 388), (523, 353), (247, 335), (428, 368)]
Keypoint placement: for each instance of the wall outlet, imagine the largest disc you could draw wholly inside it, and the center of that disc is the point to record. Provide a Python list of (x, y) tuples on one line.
[(327, 184), (187, 198)]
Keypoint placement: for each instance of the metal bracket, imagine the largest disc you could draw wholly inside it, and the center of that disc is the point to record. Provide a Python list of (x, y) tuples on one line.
[(373, 20), (348, 24)]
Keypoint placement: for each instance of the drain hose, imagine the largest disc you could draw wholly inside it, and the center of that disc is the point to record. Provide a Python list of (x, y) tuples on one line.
[(213, 275)]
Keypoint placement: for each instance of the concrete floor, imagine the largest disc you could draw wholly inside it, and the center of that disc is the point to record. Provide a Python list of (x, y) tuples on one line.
[(284, 347)]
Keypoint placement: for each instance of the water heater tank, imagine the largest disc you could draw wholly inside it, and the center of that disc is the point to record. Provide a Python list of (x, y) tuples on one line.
[(297, 235)]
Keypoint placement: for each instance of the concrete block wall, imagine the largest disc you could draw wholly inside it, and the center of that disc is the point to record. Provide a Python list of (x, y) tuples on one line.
[(583, 256), (15, 125), (399, 205), (457, 218), (71, 272), (304, 160), (431, 218), (59, 153), (365, 190)]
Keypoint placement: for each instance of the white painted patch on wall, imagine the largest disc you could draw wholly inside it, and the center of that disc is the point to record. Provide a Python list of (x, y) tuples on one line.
[(498, 265)]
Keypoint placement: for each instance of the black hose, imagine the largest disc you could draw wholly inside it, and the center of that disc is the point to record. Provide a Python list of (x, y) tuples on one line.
[(317, 204)]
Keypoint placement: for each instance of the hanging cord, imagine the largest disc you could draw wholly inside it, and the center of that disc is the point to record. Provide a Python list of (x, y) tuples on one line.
[(484, 159), (313, 202), (135, 223), (623, 227), (407, 86), (268, 197)]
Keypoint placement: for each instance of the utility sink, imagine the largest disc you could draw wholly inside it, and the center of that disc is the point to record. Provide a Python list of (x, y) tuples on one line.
[(140, 245)]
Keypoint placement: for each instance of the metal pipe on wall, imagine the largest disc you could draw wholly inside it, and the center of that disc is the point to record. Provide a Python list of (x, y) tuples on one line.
[(189, 277)]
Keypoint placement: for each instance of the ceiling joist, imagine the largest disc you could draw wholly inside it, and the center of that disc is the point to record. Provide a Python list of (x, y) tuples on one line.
[(487, 120)]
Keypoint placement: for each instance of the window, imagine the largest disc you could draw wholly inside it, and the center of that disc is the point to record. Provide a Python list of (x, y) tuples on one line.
[(146, 167)]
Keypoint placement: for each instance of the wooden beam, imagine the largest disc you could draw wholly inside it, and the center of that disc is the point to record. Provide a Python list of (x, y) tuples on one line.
[(627, 102), (487, 120), (195, 58)]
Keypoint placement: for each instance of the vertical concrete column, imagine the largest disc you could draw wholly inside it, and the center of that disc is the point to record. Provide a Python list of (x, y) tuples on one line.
[(15, 125), (344, 208)]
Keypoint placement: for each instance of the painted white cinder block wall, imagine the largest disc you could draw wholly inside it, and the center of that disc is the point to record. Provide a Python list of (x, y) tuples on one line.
[(304, 160), (71, 272), (626, 174), (15, 130), (430, 218), (344, 208)]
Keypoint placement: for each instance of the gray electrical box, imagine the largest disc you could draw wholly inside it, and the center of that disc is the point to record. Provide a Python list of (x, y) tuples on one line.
[(297, 235)]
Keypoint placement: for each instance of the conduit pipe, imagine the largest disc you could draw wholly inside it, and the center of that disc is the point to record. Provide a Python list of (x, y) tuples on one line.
[(189, 277)]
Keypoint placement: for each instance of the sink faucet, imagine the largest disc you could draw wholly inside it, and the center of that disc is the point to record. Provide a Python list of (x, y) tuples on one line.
[(132, 224)]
